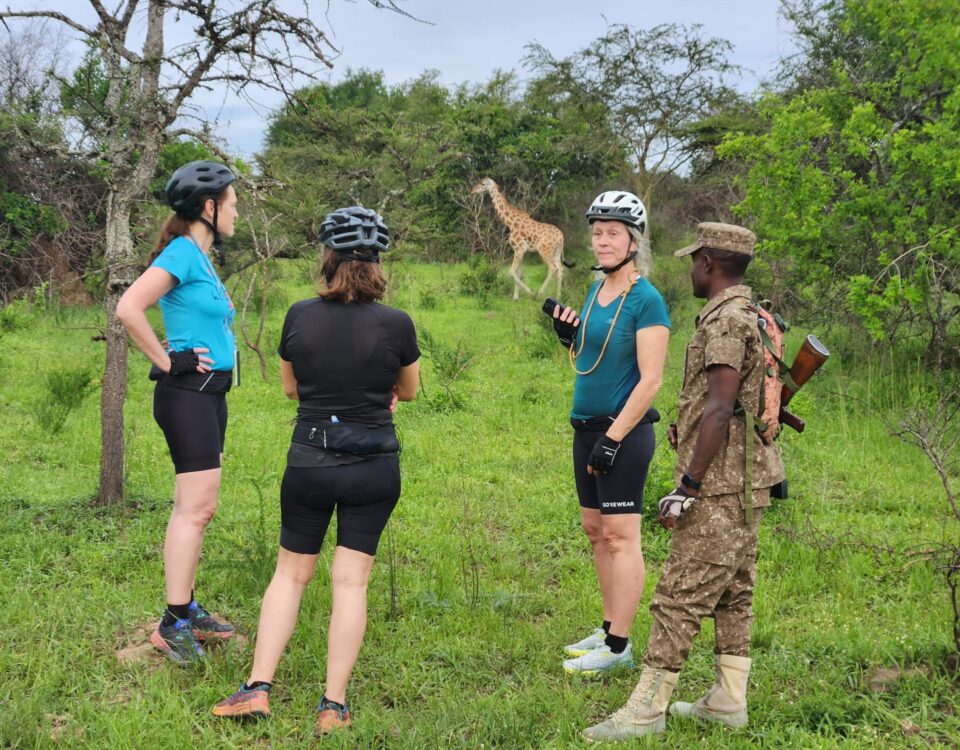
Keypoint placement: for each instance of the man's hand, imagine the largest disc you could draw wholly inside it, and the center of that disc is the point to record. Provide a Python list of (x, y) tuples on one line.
[(672, 436), (672, 505), (603, 455)]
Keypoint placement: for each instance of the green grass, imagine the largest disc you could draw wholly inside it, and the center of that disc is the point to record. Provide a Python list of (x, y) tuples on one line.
[(492, 572)]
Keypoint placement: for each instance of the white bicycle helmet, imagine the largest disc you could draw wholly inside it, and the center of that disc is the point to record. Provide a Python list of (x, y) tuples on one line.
[(618, 205)]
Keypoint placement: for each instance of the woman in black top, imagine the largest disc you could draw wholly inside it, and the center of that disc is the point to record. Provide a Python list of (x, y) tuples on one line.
[(347, 360)]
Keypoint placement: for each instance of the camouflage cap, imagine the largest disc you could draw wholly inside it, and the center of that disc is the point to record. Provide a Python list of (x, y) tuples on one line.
[(719, 236)]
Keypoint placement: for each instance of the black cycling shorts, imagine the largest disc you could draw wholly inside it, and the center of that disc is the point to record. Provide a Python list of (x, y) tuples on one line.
[(364, 495), (621, 489), (194, 424)]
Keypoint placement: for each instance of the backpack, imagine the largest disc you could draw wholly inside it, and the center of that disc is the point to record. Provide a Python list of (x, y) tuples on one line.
[(772, 329)]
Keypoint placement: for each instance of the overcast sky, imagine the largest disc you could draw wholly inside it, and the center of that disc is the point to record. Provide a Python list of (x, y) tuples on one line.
[(466, 40)]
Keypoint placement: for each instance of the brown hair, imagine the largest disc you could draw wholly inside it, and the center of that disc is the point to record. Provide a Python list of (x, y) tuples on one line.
[(351, 280), (175, 226)]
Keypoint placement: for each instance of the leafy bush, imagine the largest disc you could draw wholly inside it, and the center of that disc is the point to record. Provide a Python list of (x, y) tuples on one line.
[(449, 364), (482, 281), (429, 299), (14, 316), (64, 390)]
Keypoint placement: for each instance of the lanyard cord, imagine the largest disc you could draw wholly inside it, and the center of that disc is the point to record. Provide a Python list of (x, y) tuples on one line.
[(220, 287), (583, 330)]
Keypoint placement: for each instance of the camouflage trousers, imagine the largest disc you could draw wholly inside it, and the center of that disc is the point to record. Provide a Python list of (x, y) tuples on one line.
[(710, 572)]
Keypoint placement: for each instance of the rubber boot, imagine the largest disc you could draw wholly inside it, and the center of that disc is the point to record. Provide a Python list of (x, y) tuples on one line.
[(725, 702), (645, 711)]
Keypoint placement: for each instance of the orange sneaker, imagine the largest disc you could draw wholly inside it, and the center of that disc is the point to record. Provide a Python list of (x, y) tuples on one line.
[(331, 716), (253, 703)]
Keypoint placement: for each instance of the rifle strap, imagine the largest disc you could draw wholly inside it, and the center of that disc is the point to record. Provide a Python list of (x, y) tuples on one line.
[(783, 367), (748, 468)]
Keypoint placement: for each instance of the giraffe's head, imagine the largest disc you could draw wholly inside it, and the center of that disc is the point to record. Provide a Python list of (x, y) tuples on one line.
[(486, 185)]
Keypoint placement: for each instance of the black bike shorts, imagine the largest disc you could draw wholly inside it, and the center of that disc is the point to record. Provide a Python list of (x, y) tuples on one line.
[(364, 495), (621, 489), (194, 424)]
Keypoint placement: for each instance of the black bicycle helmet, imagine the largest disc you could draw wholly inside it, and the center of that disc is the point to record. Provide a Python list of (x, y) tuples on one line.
[(352, 229), (190, 186)]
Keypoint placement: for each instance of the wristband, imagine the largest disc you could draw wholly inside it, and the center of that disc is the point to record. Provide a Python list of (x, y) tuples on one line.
[(688, 481)]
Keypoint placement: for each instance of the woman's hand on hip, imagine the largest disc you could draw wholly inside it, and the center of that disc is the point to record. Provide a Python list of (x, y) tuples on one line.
[(189, 360)]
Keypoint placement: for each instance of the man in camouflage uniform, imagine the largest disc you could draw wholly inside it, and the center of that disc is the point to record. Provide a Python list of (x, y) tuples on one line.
[(711, 569)]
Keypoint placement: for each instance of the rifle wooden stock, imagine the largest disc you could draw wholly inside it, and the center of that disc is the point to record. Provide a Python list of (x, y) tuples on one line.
[(792, 420), (809, 359)]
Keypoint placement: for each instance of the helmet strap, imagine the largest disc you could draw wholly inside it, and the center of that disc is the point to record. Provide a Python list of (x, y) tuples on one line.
[(375, 258), (217, 240), (621, 264)]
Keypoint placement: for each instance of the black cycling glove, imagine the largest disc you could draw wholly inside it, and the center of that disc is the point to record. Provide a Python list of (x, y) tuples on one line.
[(603, 455), (566, 332), (183, 362)]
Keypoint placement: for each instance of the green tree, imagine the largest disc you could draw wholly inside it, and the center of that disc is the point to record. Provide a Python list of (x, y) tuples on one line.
[(853, 185), (365, 142), (49, 202), (645, 85)]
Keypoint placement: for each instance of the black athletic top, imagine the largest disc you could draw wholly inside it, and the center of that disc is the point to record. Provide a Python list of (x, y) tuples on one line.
[(346, 358)]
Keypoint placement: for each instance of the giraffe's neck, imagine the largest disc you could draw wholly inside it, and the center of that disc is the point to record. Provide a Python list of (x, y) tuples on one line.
[(507, 213)]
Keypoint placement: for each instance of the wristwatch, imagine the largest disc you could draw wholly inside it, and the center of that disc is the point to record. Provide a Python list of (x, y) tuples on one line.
[(687, 481)]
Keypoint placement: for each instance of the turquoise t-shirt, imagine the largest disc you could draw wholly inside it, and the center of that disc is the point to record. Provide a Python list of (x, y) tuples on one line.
[(197, 311), (605, 390)]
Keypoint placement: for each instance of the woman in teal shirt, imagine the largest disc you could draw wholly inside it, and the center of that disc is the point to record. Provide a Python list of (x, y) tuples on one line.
[(618, 350), (193, 374)]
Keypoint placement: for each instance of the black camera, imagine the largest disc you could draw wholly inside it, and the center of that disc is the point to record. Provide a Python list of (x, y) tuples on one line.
[(550, 304)]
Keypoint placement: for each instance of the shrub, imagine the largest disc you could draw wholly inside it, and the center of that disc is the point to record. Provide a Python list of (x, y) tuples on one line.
[(64, 389), (482, 280)]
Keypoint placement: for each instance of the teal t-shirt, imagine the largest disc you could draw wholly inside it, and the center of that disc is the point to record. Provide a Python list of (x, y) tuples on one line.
[(605, 390), (197, 311)]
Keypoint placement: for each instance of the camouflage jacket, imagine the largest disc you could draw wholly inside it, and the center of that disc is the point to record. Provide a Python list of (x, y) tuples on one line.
[(726, 335)]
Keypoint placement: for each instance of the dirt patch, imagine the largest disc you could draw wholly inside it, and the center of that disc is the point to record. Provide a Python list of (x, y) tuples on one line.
[(908, 728), (136, 647), (62, 727), (881, 679)]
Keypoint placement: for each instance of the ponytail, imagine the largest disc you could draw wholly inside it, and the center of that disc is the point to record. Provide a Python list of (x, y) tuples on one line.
[(175, 226)]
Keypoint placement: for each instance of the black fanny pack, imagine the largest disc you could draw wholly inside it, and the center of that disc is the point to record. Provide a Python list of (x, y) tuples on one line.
[(600, 424), (351, 438), (215, 381)]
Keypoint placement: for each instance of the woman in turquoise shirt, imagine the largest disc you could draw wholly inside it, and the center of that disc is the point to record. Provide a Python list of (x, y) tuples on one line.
[(618, 351), (193, 374)]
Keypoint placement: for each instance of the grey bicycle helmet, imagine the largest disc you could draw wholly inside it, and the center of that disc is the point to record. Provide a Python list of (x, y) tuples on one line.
[(618, 205), (352, 229), (191, 185)]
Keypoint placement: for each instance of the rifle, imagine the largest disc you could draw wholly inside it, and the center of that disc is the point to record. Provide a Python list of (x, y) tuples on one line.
[(809, 359)]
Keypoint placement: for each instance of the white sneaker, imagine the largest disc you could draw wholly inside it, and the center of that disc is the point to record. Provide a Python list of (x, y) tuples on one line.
[(599, 661), (592, 641)]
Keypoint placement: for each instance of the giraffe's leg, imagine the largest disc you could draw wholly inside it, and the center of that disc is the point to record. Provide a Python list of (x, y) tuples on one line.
[(550, 272), (558, 261), (551, 259), (518, 250)]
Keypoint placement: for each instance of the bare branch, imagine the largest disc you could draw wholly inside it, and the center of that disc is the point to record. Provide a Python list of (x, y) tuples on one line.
[(50, 14)]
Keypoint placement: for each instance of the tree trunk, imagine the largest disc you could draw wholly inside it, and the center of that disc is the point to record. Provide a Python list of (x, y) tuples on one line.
[(119, 257)]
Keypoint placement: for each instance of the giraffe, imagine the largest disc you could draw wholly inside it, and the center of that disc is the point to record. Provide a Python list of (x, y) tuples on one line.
[(526, 234)]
